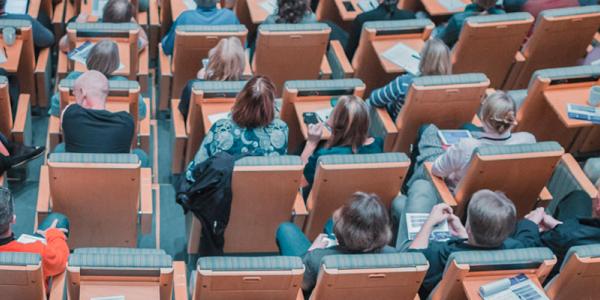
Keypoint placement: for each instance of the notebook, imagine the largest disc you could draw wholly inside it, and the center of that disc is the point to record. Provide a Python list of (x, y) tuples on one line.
[(30, 239), (515, 288), (584, 112), (270, 6), (415, 221), (216, 117), (452, 5), (367, 5), (16, 7), (452, 137), (98, 7), (404, 57)]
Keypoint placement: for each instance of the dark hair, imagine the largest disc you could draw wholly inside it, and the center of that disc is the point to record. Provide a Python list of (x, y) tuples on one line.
[(291, 11), (206, 3), (6, 207), (117, 11), (349, 123), (491, 218), (255, 104), (2, 4), (389, 5), (363, 224), (104, 57)]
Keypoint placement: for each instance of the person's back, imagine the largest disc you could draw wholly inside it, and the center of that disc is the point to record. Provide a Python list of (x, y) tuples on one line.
[(292, 12), (42, 36), (451, 32), (534, 7)]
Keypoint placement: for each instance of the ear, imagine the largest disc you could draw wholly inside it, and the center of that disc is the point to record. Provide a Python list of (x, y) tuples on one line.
[(14, 220)]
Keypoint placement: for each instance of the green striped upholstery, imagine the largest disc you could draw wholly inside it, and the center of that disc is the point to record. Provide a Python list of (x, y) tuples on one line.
[(337, 71), (398, 25), (14, 23), (586, 251), (103, 27), (19, 259), (102, 158), (341, 159), (113, 85), (219, 86), (247, 263), (500, 257), (570, 11), (293, 27), (374, 261), (592, 169), (324, 85), (510, 17), (117, 251), (567, 73), (285, 160), (134, 260), (468, 78), (3, 79), (560, 185), (518, 96), (211, 28), (519, 149)]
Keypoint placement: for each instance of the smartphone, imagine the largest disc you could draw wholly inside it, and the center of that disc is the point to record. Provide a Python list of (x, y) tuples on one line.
[(334, 101), (349, 6), (310, 118)]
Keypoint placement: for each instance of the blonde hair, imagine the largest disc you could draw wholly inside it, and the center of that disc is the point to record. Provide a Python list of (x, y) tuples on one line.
[(435, 58), (498, 112), (349, 123), (226, 61), (104, 57)]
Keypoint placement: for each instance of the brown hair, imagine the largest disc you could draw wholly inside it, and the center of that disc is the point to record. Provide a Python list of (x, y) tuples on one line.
[(491, 218), (498, 112), (104, 57), (435, 58), (226, 61), (362, 224), (117, 11), (349, 123), (255, 104), (291, 11)]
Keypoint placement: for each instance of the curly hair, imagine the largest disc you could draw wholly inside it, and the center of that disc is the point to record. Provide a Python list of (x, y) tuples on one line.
[(291, 11)]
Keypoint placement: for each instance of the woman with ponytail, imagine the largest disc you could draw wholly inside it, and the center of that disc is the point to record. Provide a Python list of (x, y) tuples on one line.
[(292, 12), (498, 115)]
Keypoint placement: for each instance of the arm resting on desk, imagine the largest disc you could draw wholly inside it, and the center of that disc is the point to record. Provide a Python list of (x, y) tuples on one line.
[(165, 78), (340, 65), (179, 137), (43, 75), (440, 186), (146, 200), (21, 131)]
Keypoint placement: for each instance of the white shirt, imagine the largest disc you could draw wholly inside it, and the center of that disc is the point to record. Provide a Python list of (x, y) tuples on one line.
[(452, 165)]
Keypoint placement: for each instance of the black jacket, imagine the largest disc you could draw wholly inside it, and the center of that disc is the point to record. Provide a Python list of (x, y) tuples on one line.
[(209, 199)]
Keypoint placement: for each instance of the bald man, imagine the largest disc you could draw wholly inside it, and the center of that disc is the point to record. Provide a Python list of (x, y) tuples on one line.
[(88, 127)]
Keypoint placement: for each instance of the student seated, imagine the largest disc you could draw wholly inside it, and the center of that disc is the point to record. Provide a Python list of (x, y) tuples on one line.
[(250, 129), (435, 60), (115, 11), (89, 128), (42, 36), (292, 12), (497, 115), (534, 7), (206, 13), (104, 58), (14, 154), (349, 126), (576, 222), (360, 226), (54, 252), (387, 10), (226, 62), (491, 225), (449, 34)]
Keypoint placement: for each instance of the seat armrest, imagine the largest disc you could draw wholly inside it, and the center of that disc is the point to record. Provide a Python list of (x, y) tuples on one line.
[(383, 126), (42, 208), (62, 66), (144, 131), (575, 170), (22, 130), (299, 211), (545, 197), (58, 18), (440, 186), (340, 64), (57, 290), (515, 72), (43, 75), (153, 28), (180, 290), (146, 200), (53, 132), (179, 137), (166, 76), (143, 71), (325, 71)]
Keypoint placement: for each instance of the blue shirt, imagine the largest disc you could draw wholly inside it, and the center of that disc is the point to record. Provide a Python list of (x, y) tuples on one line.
[(200, 16), (392, 95)]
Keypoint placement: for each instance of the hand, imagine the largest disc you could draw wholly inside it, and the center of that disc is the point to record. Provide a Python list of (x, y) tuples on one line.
[(439, 213), (536, 216), (319, 243), (315, 132), (548, 223), (82, 18), (201, 74), (456, 227), (52, 226)]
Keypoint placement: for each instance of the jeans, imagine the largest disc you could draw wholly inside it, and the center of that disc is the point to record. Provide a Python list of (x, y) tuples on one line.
[(576, 204), (293, 242), (144, 160), (420, 199)]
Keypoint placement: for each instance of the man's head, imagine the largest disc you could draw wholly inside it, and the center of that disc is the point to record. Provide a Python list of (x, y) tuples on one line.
[(205, 3), (7, 214), (91, 90), (491, 218), (117, 11)]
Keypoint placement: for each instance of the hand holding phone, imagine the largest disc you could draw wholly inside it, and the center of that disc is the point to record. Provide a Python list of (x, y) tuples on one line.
[(310, 118)]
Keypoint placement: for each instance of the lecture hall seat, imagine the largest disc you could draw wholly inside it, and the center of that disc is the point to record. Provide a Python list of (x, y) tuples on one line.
[(18, 127), (24, 67), (579, 276), (22, 278)]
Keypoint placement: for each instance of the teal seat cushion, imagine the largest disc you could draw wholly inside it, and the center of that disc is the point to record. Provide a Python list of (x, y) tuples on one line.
[(501, 258), (519, 149), (570, 11), (468, 78), (113, 85), (259, 263), (284, 160), (293, 27), (374, 261), (14, 23), (510, 17), (102, 28), (19, 259), (226, 88), (340, 159), (211, 28), (107, 158), (118, 261), (117, 251), (398, 25), (592, 71), (318, 87), (587, 251)]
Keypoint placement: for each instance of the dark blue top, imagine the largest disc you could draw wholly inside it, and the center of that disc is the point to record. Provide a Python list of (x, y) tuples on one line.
[(42, 37), (450, 33)]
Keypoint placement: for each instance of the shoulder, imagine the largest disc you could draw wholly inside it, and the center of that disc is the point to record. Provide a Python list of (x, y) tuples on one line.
[(278, 124), (523, 138)]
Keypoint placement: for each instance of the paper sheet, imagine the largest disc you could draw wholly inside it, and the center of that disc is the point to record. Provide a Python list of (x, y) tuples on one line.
[(16, 7), (405, 57), (98, 7), (270, 6), (452, 5), (414, 222), (367, 5), (190, 4), (29, 239), (216, 117)]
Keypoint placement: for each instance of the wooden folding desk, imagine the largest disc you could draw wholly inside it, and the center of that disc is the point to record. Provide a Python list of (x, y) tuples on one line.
[(435, 9), (130, 290), (311, 106), (13, 55), (471, 285), (211, 109), (257, 13)]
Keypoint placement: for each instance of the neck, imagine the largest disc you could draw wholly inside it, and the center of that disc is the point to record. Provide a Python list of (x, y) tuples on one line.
[(6, 234)]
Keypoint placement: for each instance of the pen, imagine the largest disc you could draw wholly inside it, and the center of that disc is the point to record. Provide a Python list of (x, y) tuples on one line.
[(415, 56), (5, 52)]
